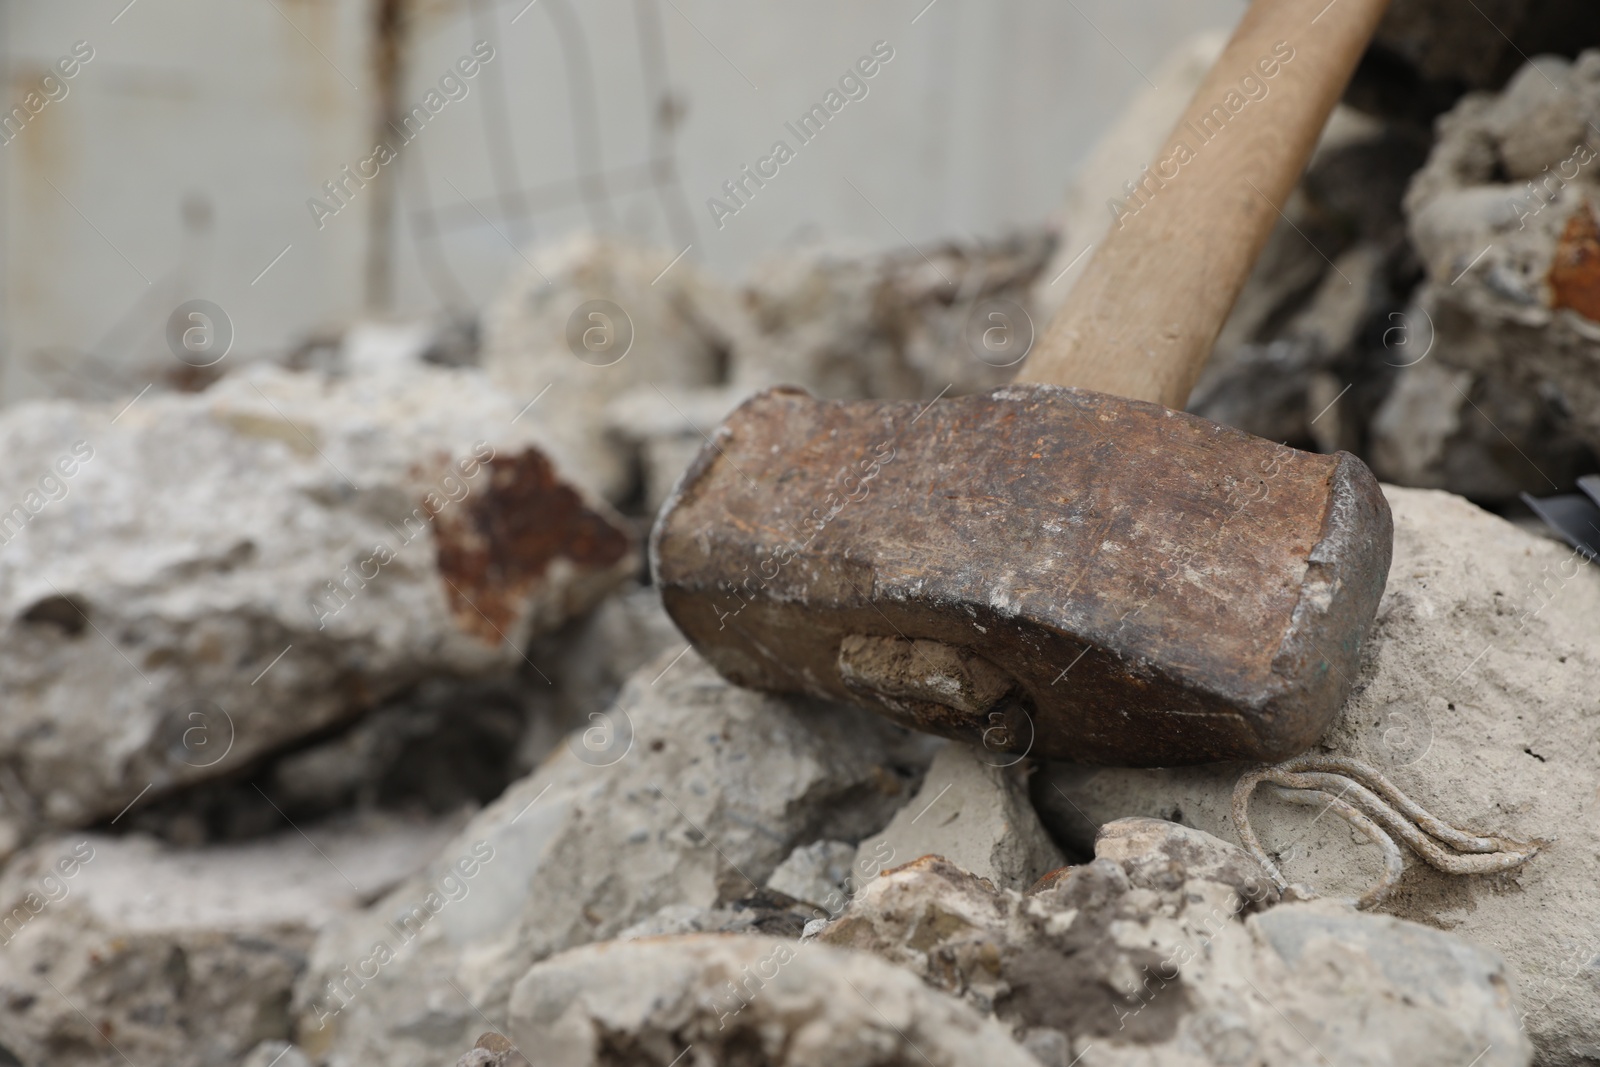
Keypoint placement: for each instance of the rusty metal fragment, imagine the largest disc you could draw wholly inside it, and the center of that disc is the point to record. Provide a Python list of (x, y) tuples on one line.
[(496, 549), (1575, 269), (1035, 569)]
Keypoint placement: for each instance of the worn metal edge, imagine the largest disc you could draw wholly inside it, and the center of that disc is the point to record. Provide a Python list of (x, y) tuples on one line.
[(1349, 567), (698, 468)]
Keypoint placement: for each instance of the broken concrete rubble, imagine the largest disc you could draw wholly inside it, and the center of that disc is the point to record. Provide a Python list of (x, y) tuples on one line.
[(1168, 949), (1476, 700), (765, 911), (704, 790), (119, 950), (738, 999), (592, 318), (994, 947), (449, 743), (818, 873), (892, 325), (197, 579), (1502, 217), (636, 390), (674, 838)]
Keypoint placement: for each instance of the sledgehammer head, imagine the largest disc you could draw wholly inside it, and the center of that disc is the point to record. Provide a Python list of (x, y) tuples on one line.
[(1037, 569)]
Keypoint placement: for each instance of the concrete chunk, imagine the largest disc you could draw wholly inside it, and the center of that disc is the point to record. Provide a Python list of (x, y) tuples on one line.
[(973, 810), (744, 999), (674, 805), (224, 572)]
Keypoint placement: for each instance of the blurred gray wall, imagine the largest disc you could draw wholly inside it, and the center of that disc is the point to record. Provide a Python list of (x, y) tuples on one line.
[(178, 162)]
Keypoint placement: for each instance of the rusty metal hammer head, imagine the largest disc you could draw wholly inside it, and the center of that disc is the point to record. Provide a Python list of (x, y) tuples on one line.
[(1034, 569), (1078, 574)]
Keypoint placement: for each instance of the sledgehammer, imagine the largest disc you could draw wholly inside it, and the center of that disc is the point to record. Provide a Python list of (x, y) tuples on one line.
[(1068, 566)]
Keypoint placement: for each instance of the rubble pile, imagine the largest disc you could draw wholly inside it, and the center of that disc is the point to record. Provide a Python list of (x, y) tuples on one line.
[(666, 360), (1385, 347), (1423, 301), (202, 578), (340, 722), (682, 798), (1503, 220), (1164, 946)]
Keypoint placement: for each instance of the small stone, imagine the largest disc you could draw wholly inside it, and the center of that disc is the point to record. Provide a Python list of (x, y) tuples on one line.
[(973, 809), (818, 873), (493, 1049), (1157, 854)]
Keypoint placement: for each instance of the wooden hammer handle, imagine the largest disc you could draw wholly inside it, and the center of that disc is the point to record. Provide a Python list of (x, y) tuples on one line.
[(1141, 320)]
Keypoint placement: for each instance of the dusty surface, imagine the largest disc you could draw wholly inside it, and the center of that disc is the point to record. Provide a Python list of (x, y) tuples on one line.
[(583, 323), (119, 947), (818, 873), (686, 791), (973, 810), (739, 1001), (1477, 698), (1502, 218), (895, 325), (1170, 948), (149, 606)]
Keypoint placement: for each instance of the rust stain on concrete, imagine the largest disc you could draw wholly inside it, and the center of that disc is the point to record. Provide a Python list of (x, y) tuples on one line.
[(496, 546), (1575, 271)]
